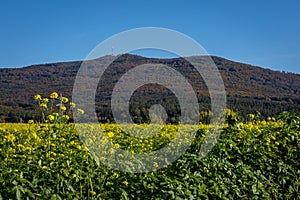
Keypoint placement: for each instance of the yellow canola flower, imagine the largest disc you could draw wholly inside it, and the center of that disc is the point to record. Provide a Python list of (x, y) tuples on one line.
[(10, 137), (251, 116), (85, 148), (51, 117), (54, 95), (30, 121), (66, 117), (35, 136), (80, 111), (229, 112), (110, 134), (117, 146), (37, 97), (64, 99), (111, 151), (125, 182), (72, 104), (63, 108), (45, 100), (273, 138), (43, 105), (120, 155)]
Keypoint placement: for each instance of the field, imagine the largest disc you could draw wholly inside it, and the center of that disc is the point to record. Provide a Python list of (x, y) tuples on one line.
[(257, 159)]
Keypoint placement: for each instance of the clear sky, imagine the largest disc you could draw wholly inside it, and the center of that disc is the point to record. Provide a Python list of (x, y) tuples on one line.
[(259, 32)]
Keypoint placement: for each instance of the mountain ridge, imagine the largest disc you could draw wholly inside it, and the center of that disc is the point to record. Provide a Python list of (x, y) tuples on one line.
[(249, 88)]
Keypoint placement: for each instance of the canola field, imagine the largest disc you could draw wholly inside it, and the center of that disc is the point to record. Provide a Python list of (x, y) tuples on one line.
[(258, 159), (50, 158)]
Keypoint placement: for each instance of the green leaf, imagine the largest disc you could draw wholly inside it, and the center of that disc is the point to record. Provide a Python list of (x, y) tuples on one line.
[(124, 195), (18, 194), (297, 183)]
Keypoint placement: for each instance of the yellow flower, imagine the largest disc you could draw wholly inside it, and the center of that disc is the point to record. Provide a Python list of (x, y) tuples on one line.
[(85, 148), (93, 193), (251, 116), (264, 123), (51, 117), (276, 143), (10, 137), (43, 105), (53, 95), (120, 155), (80, 111), (155, 164), (72, 104), (110, 134), (37, 97), (64, 99), (30, 121), (117, 146), (66, 117), (228, 111), (125, 182), (63, 108), (111, 151), (45, 100), (273, 138)]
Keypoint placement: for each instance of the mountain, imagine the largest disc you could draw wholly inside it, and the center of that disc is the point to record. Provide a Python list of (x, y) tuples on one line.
[(249, 88)]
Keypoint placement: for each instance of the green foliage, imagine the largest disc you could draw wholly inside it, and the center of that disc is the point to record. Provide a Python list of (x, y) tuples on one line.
[(256, 159)]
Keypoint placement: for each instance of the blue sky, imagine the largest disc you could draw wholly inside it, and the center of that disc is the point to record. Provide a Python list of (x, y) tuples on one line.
[(263, 33)]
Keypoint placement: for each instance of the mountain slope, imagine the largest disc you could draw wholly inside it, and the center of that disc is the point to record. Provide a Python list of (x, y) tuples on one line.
[(248, 88)]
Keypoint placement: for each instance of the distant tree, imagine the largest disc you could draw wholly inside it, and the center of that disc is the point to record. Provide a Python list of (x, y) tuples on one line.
[(12, 118)]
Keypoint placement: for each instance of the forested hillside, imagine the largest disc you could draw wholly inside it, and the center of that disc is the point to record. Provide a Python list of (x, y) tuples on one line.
[(249, 88)]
